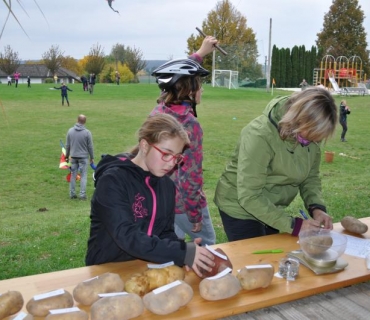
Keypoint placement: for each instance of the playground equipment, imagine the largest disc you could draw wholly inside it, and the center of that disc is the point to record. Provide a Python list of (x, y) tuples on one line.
[(343, 75)]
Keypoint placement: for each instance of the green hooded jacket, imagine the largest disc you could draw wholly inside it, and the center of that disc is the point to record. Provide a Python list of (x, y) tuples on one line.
[(265, 173)]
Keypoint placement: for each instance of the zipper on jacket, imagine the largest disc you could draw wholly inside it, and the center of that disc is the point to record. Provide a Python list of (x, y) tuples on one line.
[(154, 211)]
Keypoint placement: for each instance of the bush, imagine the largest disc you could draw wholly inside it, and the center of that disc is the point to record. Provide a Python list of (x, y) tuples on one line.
[(49, 80)]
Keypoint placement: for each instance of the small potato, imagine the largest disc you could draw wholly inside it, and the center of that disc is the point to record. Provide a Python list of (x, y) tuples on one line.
[(316, 244), (153, 278), (354, 225), (75, 315), (170, 300), (87, 292), (10, 303), (41, 307), (220, 288), (257, 276), (120, 307)]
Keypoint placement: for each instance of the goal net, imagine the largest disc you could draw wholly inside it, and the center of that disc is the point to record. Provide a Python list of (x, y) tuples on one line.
[(225, 78)]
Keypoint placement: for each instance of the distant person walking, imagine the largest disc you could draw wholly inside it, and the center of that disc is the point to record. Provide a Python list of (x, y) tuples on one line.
[(9, 80), (16, 78), (92, 80), (79, 147), (28, 82), (84, 83), (343, 111), (303, 84), (64, 92), (118, 77)]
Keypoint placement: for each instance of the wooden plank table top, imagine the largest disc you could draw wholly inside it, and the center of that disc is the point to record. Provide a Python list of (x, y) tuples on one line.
[(240, 254)]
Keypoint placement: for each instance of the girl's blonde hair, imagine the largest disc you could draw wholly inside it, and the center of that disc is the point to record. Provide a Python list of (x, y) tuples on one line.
[(312, 111), (160, 127)]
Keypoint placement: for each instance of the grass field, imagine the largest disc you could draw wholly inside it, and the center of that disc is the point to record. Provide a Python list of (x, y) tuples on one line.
[(42, 230)]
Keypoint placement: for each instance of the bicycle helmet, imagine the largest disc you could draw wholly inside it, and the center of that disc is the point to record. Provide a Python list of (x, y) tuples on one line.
[(170, 72)]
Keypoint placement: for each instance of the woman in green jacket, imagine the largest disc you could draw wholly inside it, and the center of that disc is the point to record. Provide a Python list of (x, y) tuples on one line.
[(277, 156)]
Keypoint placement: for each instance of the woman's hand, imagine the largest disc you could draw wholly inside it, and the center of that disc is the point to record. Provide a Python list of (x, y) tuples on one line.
[(208, 45), (203, 258), (323, 218)]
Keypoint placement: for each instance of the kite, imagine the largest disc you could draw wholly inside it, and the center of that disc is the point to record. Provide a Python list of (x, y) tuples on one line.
[(110, 4)]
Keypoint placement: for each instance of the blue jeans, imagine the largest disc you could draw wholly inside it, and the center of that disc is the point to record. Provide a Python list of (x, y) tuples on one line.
[(183, 227), (78, 165)]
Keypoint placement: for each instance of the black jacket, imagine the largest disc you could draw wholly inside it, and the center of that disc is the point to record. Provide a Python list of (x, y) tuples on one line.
[(343, 113), (132, 216)]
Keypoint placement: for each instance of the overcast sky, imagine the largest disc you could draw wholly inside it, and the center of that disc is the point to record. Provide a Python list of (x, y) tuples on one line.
[(159, 28)]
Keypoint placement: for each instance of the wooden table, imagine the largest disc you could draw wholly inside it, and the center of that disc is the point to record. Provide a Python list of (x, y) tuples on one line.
[(239, 252)]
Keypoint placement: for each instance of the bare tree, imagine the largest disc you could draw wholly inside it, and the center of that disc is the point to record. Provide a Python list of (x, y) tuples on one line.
[(95, 60), (9, 60), (134, 61), (53, 59)]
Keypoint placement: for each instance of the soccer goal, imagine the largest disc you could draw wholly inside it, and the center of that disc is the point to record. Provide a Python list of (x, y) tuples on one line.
[(225, 78)]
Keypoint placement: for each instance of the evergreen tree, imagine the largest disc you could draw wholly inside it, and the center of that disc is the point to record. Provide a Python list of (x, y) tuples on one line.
[(282, 68), (288, 68), (343, 33), (295, 67)]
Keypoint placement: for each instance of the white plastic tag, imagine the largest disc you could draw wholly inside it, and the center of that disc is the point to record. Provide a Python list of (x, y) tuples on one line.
[(49, 294), (160, 266), (166, 287)]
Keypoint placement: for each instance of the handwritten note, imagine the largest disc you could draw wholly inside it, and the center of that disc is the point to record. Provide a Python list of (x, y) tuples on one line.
[(357, 247)]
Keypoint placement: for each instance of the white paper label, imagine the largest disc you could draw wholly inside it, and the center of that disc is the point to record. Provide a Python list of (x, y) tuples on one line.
[(160, 266), (97, 277), (166, 287), (49, 294), (112, 294), (221, 274), (20, 316), (259, 266), (65, 310), (222, 256)]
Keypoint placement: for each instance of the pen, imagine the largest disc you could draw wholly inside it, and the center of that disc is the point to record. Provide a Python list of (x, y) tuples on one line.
[(268, 251), (303, 214)]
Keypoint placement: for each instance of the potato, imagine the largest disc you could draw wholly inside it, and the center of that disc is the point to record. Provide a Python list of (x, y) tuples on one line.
[(86, 292), (10, 303), (316, 244), (257, 276), (220, 264), (40, 305), (169, 298), (219, 288), (153, 278), (120, 307), (354, 225), (73, 315)]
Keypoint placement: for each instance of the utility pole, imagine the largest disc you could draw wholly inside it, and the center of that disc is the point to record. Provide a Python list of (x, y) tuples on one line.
[(269, 61)]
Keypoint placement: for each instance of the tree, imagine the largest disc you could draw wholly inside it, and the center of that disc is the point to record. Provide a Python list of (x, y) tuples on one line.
[(9, 60), (134, 61), (53, 59), (343, 33), (71, 64), (118, 54), (229, 26), (95, 60)]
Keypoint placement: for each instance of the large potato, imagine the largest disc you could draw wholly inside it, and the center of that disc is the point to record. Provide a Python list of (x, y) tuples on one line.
[(87, 292), (316, 244), (169, 298), (40, 307), (10, 303), (120, 307), (75, 315), (257, 276), (220, 264), (220, 288), (354, 225), (153, 278)]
